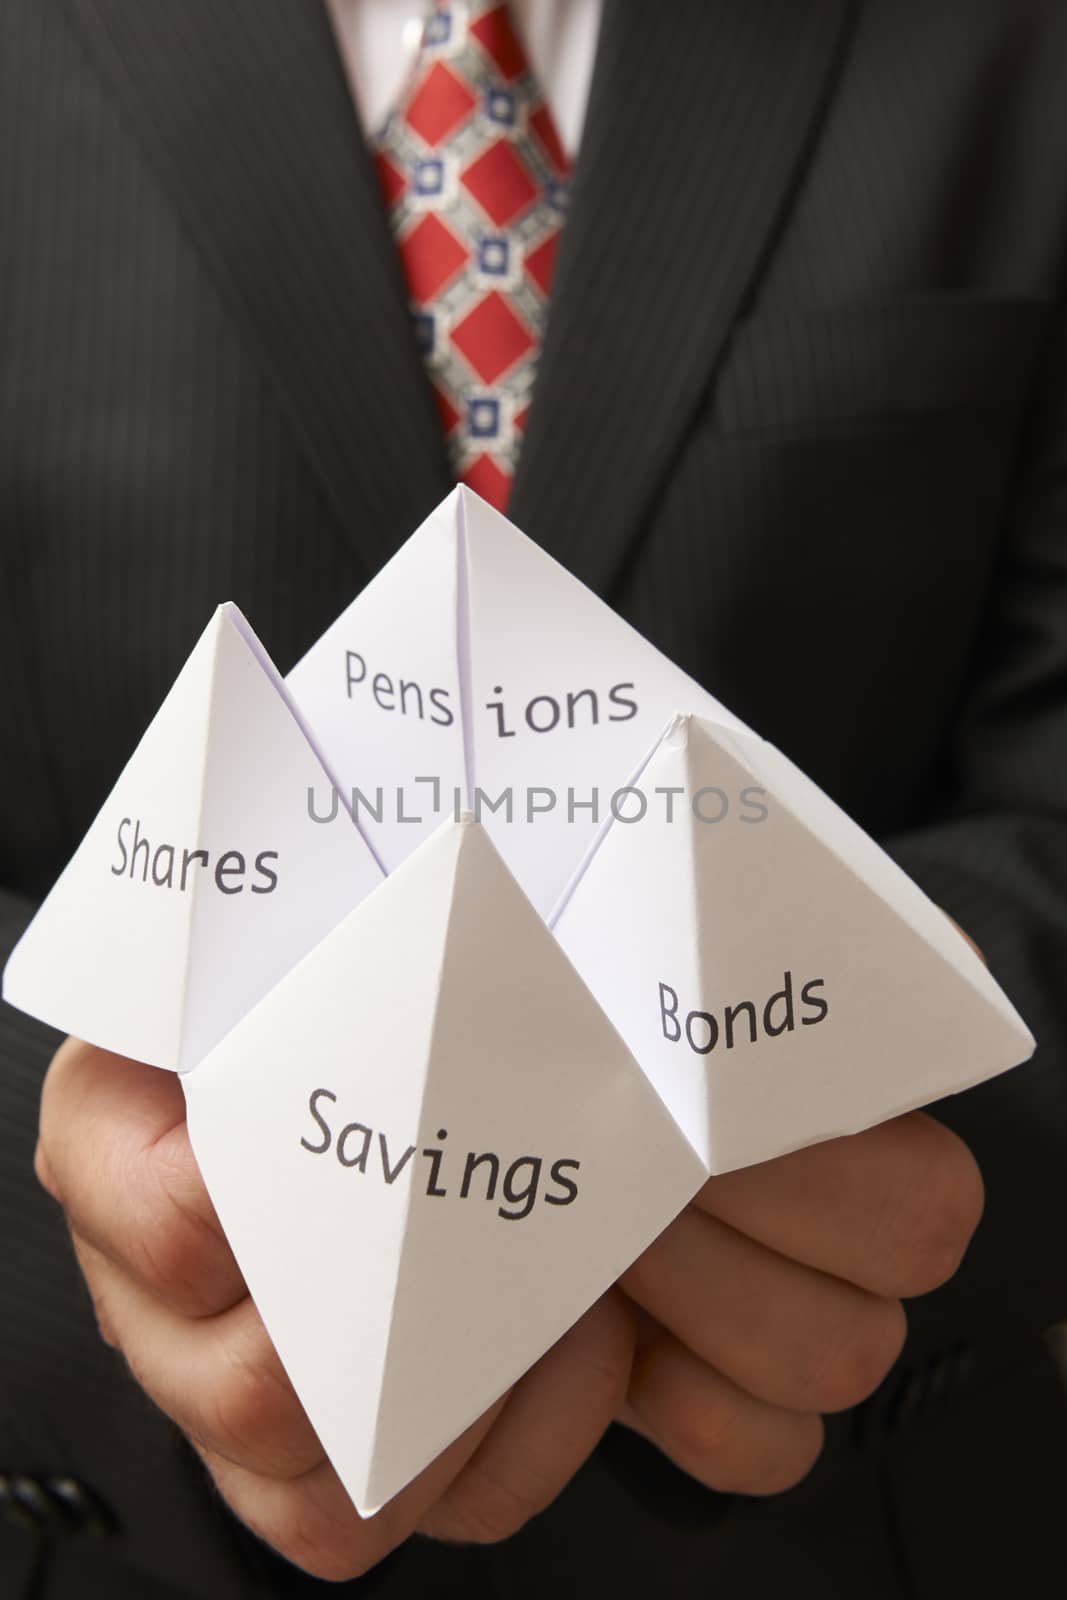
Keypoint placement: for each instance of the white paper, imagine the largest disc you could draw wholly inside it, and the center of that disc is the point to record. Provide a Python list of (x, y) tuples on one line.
[(550, 696), (720, 968), (144, 946), (442, 1016), (382, 689), (778, 977)]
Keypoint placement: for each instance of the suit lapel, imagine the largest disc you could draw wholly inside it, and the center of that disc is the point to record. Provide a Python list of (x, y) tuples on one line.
[(244, 111), (700, 117)]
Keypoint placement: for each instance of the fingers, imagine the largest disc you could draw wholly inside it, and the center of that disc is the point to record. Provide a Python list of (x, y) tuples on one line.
[(783, 1332), (501, 1472), (979, 952), (715, 1431), (115, 1153), (219, 1378), (772, 1299), (553, 1420), (777, 1296), (314, 1524), (891, 1209)]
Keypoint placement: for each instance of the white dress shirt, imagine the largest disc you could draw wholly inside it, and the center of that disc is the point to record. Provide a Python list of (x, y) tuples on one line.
[(378, 40)]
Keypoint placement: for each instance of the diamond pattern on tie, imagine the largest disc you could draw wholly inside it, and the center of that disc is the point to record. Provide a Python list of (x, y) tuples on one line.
[(475, 179)]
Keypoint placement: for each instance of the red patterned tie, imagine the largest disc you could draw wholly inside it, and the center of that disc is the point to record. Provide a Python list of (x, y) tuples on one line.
[(475, 179)]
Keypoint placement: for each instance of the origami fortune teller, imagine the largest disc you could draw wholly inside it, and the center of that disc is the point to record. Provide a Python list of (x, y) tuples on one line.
[(480, 942)]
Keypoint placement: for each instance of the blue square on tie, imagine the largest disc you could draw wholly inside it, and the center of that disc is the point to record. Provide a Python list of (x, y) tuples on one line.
[(493, 255), (556, 194), (429, 176), (483, 418), (438, 28), (424, 332), (500, 106)]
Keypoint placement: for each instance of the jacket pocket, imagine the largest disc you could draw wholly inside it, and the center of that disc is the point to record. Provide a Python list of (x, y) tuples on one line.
[(884, 365)]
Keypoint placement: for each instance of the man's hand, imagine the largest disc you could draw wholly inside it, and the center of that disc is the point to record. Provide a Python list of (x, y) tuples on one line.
[(771, 1299), (115, 1153), (776, 1295)]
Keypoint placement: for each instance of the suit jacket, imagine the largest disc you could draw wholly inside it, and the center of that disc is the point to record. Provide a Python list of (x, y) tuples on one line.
[(801, 417)]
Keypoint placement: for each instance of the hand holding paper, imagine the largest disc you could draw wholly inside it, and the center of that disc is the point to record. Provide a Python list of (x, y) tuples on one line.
[(169, 1294), (496, 1102), (786, 1309)]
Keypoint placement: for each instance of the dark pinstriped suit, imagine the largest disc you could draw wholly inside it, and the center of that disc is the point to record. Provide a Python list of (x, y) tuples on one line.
[(802, 417)]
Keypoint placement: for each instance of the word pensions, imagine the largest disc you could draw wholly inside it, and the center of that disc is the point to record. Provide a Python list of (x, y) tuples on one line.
[(542, 713)]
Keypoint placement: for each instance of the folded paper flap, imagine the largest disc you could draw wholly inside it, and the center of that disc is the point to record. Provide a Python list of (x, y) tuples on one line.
[(566, 697), (536, 1158), (674, 736), (850, 844), (256, 647), (202, 861), (312, 1098), (84, 941), (776, 988), (474, 665), (435, 1129), (382, 688), (259, 768)]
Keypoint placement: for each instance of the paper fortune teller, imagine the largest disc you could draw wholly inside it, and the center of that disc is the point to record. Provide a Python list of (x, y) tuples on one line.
[(480, 942)]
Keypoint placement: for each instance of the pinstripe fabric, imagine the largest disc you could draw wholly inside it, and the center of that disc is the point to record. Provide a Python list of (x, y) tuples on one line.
[(245, 114), (674, 202), (809, 434), (53, 1366)]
